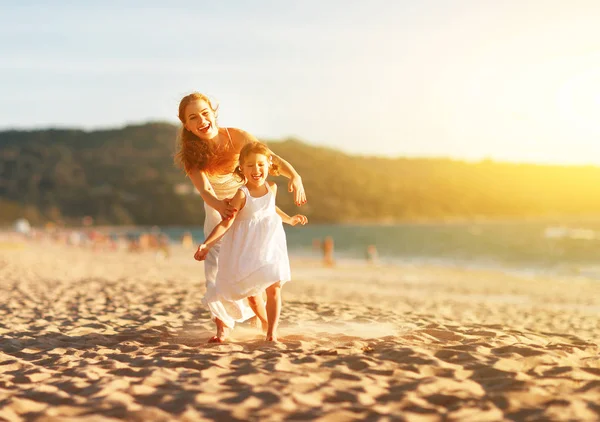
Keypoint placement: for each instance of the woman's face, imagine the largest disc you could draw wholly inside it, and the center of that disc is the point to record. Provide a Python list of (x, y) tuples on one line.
[(200, 120)]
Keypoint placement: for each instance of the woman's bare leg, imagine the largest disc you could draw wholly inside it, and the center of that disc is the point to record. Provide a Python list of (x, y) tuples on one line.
[(273, 310), (257, 304)]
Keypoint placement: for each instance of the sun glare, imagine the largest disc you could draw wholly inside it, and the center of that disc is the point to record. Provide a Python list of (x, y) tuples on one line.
[(578, 101)]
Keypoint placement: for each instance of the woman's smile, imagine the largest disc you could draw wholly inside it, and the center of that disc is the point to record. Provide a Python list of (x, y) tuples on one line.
[(200, 120)]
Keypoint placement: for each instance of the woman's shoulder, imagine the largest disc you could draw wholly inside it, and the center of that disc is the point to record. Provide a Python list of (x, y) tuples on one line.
[(236, 131), (240, 137)]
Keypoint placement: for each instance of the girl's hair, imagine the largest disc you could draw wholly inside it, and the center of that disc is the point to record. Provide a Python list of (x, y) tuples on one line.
[(192, 152), (256, 148)]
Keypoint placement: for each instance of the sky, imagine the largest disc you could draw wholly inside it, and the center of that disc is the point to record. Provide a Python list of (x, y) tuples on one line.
[(511, 80)]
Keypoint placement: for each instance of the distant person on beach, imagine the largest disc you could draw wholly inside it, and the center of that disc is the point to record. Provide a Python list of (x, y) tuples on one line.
[(187, 241), (254, 254), (209, 155), (372, 255), (328, 246), (164, 246)]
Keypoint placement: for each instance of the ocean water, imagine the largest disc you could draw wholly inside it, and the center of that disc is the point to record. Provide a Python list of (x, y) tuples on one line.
[(544, 246)]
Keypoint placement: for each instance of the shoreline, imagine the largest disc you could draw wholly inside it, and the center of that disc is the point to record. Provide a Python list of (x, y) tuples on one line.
[(565, 271), (450, 221)]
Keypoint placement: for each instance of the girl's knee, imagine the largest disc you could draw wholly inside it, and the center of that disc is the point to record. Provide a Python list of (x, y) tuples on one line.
[(274, 289)]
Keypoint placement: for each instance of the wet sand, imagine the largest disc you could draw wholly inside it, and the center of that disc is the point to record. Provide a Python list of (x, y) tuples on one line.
[(101, 336)]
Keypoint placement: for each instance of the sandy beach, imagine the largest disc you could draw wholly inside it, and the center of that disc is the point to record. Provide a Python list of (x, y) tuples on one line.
[(105, 336)]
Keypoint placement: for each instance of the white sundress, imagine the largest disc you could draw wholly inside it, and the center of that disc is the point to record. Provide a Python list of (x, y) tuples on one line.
[(253, 251), (230, 312)]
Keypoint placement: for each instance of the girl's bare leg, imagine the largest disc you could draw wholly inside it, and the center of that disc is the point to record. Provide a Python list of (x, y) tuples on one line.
[(273, 310), (222, 332), (257, 304)]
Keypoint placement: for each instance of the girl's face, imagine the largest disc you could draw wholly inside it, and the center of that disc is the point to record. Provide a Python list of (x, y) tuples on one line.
[(255, 169), (200, 120)]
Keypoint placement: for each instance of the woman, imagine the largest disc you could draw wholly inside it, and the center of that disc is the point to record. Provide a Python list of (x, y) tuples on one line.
[(209, 155)]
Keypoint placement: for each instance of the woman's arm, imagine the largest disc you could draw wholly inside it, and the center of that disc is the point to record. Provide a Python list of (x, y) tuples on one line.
[(201, 182), (295, 184)]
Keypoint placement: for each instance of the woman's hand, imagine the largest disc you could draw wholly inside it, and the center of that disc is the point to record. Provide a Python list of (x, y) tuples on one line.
[(226, 209), (298, 219), (201, 253), (295, 185)]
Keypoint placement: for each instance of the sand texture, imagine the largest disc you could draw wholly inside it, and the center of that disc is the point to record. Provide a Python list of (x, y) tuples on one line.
[(102, 336)]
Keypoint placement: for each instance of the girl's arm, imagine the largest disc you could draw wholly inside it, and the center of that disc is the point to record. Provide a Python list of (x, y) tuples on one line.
[(220, 229), (218, 232), (292, 221), (201, 182), (285, 169), (284, 217)]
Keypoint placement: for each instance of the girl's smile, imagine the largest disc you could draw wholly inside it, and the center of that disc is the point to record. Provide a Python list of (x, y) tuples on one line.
[(255, 169)]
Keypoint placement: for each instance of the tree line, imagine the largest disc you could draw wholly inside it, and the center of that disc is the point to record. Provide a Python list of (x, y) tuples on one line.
[(126, 176)]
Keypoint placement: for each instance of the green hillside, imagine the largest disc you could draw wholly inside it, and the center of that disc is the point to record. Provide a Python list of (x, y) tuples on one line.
[(127, 176)]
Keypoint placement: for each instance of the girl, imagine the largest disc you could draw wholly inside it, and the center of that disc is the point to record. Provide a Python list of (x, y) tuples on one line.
[(254, 253), (209, 154)]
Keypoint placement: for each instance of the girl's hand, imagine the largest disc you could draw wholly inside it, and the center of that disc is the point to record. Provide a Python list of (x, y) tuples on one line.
[(201, 253), (298, 219), (226, 209), (295, 185)]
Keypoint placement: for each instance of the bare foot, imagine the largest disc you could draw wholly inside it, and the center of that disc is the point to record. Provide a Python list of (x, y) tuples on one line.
[(272, 339), (222, 332), (257, 323)]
